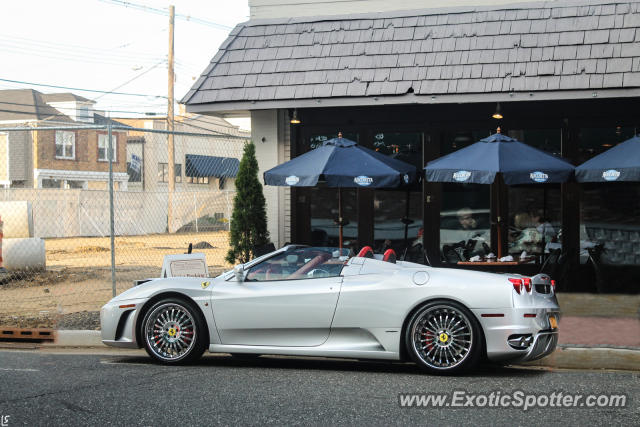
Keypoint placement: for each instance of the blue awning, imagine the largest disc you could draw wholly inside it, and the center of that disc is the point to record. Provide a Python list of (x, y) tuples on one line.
[(206, 166)]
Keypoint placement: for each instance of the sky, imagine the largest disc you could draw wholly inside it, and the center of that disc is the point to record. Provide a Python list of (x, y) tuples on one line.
[(112, 45)]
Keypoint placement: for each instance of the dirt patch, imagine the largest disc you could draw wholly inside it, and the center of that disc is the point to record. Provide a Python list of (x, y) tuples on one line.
[(78, 276), (90, 249)]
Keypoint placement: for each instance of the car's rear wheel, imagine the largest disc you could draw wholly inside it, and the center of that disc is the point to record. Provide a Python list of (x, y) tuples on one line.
[(444, 337), (174, 331)]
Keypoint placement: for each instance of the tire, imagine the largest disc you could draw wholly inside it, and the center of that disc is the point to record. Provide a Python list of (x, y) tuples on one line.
[(174, 332), (443, 337)]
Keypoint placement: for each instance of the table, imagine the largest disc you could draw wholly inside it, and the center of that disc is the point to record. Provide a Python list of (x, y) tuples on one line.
[(496, 263)]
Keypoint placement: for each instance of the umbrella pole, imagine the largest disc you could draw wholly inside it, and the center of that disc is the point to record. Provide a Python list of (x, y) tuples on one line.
[(499, 222), (544, 227), (406, 222), (340, 218)]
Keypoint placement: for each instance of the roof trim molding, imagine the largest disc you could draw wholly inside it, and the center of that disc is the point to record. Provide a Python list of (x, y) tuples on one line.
[(550, 4), (411, 99)]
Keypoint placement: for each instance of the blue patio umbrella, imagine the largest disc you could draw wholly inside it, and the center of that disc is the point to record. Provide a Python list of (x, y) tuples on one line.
[(342, 163), (518, 163), (619, 163)]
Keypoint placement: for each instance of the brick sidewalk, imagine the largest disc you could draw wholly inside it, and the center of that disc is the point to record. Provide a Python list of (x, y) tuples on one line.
[(600, 331)]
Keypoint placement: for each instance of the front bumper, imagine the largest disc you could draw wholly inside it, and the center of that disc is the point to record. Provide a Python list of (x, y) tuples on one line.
[(118, 320)]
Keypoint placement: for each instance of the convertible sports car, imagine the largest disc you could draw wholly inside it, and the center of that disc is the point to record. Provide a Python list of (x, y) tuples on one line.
[(317, 301)]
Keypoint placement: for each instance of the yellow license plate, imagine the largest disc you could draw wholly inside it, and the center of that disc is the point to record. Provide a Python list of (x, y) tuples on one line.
[(553, 322)]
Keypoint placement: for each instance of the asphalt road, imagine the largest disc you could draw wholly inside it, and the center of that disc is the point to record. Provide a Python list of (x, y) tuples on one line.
[(39, 387)]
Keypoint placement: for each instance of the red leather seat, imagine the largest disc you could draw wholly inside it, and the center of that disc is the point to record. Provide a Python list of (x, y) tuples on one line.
[(366, 252), (390, 256)]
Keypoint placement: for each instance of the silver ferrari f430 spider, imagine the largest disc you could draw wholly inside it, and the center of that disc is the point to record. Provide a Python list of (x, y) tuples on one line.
[(319, 301)]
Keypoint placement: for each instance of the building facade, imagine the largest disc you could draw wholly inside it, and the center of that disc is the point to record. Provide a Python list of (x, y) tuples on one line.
[(418, 84), (65, 158), (216, 146)]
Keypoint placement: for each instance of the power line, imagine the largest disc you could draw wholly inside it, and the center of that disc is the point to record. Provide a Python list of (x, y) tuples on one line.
[(35, 54), (130, 80), (81, 50), (71, 109), (82, 90), (149, 9)]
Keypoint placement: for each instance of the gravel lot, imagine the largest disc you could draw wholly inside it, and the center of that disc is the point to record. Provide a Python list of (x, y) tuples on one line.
[(77, 281)]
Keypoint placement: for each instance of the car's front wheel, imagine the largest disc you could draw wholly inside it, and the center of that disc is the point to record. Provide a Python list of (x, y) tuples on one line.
[(444, 337), (174, 331)]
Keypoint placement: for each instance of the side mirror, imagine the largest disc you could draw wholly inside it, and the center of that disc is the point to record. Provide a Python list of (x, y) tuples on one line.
[(239, 272)]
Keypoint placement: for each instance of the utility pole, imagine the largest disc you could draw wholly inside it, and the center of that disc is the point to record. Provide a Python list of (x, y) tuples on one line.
[(171, 161)]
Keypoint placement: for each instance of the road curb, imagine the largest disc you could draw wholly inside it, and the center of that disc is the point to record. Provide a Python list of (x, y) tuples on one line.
[(563, 357), (591, 358)]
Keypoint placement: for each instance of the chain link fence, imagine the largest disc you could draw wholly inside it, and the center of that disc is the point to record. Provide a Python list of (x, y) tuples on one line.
[(71, 194)]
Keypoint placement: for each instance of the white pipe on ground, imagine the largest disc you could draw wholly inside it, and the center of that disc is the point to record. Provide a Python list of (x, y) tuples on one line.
[(22, 254)]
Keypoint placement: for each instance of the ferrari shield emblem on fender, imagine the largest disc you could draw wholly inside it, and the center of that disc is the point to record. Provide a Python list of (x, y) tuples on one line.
[(205, 284)]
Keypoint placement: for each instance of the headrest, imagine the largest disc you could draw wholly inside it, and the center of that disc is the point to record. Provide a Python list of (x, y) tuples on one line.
[(390, 256), (366, 252)]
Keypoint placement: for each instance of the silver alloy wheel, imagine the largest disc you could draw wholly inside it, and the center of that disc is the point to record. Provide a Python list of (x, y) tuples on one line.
[(170, 332), (442, 337)]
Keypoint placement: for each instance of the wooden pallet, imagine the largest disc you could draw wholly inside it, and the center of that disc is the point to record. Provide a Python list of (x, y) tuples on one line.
[(21, 334)]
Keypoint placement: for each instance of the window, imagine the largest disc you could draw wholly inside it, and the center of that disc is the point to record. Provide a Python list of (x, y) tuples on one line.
[(76, 184), (324, 213), (83, 114), (51, 183), (316, 141), (163, 172), (534, 218), (465, 222), (390, 205), (103, 147), (65, 145), (198, 179), (610, 212), (300, 263)]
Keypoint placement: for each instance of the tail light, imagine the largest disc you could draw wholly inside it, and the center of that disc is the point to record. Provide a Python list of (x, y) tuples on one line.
[(553, 284), (527, 284), (517, 284)]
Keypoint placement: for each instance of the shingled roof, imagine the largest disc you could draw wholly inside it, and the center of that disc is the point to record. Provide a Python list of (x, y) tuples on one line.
[(547, 50), (27, 105)]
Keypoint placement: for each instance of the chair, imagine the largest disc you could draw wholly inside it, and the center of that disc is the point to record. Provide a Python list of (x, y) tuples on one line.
[(595, 258), (555, 266)]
